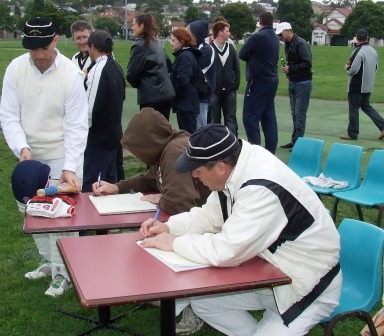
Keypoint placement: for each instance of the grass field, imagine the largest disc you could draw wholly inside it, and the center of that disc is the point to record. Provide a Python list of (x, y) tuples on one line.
[(26, 311)]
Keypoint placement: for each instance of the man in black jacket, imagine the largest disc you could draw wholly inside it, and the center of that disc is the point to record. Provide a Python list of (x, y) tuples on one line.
[(105, 85), (227, 77), (298, 69)]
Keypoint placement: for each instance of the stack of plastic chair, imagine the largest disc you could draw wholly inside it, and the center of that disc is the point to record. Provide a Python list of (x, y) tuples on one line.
[(371, 191), (306, 157), (343, 163), (361, 260)]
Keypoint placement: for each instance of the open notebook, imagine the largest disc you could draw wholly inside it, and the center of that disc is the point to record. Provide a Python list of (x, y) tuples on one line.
[(173, 260), (121, 203)]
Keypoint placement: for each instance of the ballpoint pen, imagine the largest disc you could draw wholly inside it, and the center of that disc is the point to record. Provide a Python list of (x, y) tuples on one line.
[(156, 216), (98, 181)]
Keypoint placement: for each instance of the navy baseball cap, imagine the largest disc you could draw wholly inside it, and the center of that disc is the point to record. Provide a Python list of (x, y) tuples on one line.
[(213, 142), (38, 33), (27, 177)]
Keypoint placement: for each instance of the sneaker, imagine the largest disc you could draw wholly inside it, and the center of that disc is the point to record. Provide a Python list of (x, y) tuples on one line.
[(189, 323), (288, 145), (58, 286), (381, 136), (42, 271)]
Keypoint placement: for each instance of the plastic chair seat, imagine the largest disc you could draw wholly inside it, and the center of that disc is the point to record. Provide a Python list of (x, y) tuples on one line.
[(306, 157), (371, 191), (343, 163), (361, 260)]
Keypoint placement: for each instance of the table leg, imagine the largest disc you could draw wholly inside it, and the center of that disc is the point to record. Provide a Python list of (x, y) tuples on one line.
[(104, 321), (167, 318)]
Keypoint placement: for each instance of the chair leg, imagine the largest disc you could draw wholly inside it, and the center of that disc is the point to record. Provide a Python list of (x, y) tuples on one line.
[(360, 212), (380, 216), (334, 210)]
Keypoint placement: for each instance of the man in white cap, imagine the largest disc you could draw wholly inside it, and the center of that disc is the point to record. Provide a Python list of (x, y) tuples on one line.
[(43, 112), (258, 207), (298, 69)]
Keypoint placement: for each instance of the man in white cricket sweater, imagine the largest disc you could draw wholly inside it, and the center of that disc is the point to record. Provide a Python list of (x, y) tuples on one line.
[(43, 112)]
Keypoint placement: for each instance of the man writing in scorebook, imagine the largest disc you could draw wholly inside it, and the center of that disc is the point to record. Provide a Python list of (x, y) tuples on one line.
[(258, 207), (150, 137)]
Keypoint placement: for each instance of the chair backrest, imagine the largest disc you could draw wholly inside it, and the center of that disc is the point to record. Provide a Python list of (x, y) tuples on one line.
[(374, 176), (361, 260), (343, 163), (306, 157)]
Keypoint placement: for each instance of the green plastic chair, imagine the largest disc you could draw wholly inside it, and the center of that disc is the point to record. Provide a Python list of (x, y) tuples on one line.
[(343, 163), (361, 260), (306, 157), (371, 191)]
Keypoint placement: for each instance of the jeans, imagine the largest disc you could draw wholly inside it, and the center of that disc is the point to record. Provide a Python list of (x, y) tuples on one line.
[(224, 101), (299, 95), (361, 100), (202, 117), (259, 108)]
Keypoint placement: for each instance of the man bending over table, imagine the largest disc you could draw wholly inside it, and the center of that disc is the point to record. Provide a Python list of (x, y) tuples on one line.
[(258, 207)]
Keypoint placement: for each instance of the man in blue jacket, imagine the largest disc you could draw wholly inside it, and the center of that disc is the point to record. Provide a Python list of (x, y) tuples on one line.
[(261, 53), (199, 29)]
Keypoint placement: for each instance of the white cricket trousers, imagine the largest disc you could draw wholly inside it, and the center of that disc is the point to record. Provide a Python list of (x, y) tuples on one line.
[(46, 243), (229, 312)]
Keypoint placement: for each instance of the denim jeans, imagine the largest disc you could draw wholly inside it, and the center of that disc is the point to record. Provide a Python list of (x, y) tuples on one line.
[(361, 100), (299, 95)]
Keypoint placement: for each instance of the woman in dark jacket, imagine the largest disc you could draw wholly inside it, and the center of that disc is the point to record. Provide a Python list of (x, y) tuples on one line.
[(186, 103), (147, 68)]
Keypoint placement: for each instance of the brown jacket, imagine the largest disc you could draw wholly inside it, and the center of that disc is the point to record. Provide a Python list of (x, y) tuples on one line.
[(150, 137)]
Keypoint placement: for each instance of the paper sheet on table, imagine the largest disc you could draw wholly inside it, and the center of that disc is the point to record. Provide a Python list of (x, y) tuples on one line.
[(121, 203), (173, 260)]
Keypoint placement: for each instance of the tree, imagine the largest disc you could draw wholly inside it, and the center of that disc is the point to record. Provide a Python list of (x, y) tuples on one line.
[(367, 15), (192, 14), (108, 24), (239, 16), (298, 13), (257, 9)]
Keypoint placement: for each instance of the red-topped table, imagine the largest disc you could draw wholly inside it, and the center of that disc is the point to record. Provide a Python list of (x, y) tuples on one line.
[(86, 218), (133, 271)]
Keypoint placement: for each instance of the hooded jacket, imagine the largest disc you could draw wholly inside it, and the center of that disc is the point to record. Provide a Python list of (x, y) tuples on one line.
[(150, 137), (199, 29)]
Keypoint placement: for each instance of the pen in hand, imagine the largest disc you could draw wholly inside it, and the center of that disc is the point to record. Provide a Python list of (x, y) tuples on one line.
[(156, 216), (98, 183), (98, 180)]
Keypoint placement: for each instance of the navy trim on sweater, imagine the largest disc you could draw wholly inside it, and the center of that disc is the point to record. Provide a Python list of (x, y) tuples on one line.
[(299, 218)]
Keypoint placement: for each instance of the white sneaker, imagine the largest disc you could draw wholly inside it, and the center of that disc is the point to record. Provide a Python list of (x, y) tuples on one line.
[(42, 271), (58, 286), (189, 323)]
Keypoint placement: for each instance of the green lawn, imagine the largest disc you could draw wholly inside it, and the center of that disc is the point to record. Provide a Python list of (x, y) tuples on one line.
[(26, 311)]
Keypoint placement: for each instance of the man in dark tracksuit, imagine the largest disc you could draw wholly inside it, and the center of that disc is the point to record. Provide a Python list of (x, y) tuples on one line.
[(105, 85), (261, 52), (361, 69), (227, 77), (299, 73)]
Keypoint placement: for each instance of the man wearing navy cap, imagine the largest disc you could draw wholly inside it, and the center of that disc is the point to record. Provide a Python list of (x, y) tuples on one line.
[(258, 207), (43, 113), (361, 69)]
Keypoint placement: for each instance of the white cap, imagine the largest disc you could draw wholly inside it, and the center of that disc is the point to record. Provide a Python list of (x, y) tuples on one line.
[(282, 26)]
